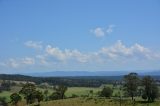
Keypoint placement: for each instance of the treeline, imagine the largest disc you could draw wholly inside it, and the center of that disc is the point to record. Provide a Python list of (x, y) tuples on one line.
[(87, 81)]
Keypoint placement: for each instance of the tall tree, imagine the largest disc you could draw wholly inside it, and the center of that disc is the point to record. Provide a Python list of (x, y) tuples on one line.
[(60, 91), (39, 96), (150, 88), (46, 94), (28, 91), (131, 82)]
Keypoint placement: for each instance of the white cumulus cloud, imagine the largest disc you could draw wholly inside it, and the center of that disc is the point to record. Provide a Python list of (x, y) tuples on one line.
[(98, 32), (120, 50), (34, 44), (101, 32), (116, 54), (66, 54), (18, 62)]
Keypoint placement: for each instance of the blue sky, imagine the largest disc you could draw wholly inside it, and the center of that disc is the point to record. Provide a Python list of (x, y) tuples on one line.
[(79, 35)]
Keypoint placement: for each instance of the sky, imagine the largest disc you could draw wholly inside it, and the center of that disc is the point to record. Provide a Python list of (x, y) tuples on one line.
[(79, 35)]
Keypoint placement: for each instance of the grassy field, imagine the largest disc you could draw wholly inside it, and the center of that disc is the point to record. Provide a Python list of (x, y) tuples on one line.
[(94, 102), (81, 101), (71, 90), (7, 94), (81, 91)]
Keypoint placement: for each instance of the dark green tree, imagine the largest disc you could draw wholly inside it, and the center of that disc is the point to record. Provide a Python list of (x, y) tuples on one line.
[(150, 88), (45, 94), (144, 96), (131, 83), (38, 96), (60, 91), (54, 96), (28, 91), (15, 98), (106, 92), (91, 93)]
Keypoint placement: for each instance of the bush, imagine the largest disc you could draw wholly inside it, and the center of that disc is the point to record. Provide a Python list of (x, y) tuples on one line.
[(144, 96), (74, 96), (54, 96), (15, 98), (106, 92)]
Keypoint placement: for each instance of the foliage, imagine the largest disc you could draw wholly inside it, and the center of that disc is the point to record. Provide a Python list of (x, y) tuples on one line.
[(28, 91), (144, 96), (106, 92), (39, 96), (54, 96), (60, 90), (45, 94), (74, 96), (95, 81), (15, 98), (150, 88), (131, 82)]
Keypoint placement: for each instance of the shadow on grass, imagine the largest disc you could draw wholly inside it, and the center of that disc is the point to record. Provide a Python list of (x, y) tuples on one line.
[(143, 102)]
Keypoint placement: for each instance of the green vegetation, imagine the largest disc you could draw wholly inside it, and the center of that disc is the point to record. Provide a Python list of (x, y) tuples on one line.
[(131, 91), (131, 83), (15, 98), (106, 92), (95, 102)]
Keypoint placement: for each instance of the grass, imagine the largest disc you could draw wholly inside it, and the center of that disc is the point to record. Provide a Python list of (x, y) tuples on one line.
[(81, 101), (7, 94), (94, 102), (80, 91)]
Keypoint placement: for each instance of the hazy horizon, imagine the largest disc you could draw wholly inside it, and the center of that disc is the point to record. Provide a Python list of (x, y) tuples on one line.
[(106, 35)]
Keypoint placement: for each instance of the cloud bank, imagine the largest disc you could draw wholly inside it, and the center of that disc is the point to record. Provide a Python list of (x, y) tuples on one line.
[(53, 57)]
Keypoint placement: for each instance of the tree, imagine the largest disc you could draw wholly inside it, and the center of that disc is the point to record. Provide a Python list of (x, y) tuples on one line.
[(46, 94), (131, 82), (54, 96), (106, 92), (28, 91), (60, 91), (91, 92), (150, 88), (15, 98), (144, 96), (39, 96)]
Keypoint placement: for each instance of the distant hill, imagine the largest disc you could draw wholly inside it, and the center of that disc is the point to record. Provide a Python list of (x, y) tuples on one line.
[(87, 73), (78, 73), (76, 79)]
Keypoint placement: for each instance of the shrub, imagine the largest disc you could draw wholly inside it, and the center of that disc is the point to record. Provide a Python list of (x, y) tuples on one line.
[(106, 92)]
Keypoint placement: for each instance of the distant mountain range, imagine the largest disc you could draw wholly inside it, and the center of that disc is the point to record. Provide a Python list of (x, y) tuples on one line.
[(87, 73)]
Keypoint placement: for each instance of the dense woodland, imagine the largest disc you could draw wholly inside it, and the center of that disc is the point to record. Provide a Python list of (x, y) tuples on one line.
[(84, 81), (93, 81)]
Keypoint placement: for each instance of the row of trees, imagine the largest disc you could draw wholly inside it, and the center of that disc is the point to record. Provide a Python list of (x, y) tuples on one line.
[(148, 85), (31, 94), (132, 86), (84, 81)]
